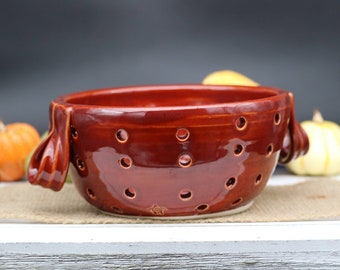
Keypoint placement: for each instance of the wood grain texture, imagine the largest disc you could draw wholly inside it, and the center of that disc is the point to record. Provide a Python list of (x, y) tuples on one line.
[(258, 260)]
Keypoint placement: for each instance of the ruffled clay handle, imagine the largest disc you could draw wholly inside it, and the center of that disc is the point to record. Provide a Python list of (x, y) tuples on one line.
[(296, 141), (49, 163)]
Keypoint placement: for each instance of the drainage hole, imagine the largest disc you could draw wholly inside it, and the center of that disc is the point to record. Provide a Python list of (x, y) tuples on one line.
[(277, 118), (125, 162), (74, 133), (270, 149), (182, 134), (230, 183), (241, 123), (90, 193), (237, 201), (202, 207), (122, 136), (130, 193), (258, 179), (185, 161), (80, 164), (238, 149), (185, 195)]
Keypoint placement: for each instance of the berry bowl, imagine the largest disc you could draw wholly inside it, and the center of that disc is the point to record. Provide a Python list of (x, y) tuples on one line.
[(168, 151)]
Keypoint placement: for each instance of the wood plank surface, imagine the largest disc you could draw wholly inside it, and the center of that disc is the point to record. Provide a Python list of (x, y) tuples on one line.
[(292, 245)]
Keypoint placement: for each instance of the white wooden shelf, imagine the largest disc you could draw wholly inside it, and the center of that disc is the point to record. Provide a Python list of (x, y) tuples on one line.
[(298, 245)]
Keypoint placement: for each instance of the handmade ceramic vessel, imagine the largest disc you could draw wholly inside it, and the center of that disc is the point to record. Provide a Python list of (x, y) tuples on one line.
[(168, 150)]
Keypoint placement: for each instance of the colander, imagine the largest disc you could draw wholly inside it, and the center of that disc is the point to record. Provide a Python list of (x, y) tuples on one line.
[(168, 151)]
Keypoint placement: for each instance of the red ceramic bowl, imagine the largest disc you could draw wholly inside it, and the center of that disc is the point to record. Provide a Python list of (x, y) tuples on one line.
[(168, 150)]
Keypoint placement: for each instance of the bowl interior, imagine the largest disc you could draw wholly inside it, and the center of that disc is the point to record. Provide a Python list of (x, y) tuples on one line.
[(166, 96)]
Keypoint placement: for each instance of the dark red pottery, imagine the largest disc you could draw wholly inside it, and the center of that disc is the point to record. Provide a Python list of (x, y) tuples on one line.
[(168, 150)]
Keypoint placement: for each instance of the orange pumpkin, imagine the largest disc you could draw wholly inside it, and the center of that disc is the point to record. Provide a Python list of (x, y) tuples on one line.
[(16, 141)]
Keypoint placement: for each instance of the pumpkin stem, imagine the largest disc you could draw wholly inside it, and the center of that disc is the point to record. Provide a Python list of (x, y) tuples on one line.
[(317, 116), (2, 126)]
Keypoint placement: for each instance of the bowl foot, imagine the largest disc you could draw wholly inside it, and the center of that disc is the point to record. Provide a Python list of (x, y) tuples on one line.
[(191, 217)]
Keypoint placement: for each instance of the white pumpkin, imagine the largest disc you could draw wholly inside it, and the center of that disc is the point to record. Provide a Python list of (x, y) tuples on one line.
[(323, 157)]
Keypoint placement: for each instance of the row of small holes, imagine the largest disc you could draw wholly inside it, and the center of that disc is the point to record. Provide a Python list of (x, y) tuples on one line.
[(184, 160), (241, 122), (239, 149), (184, 194), (231, 182), (182, 135)]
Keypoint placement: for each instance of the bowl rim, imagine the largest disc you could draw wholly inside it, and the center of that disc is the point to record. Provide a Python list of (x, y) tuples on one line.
[(275, 94)]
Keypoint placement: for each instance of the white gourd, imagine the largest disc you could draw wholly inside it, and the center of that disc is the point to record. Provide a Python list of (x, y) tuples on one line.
[(323, 157)]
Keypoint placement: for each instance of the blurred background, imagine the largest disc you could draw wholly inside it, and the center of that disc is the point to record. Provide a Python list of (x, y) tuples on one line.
[(50, 48)]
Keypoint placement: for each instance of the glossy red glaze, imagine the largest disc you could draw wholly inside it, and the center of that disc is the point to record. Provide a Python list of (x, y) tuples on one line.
[(168, 150)]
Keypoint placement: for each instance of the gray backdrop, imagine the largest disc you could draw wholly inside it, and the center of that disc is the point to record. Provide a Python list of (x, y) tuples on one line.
[(49, 48)]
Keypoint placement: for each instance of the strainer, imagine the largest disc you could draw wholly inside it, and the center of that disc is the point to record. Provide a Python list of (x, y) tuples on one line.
[(171, 151)]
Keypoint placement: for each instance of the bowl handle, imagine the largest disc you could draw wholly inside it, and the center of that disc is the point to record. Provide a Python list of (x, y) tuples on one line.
[(295, 143), (49, 163)]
